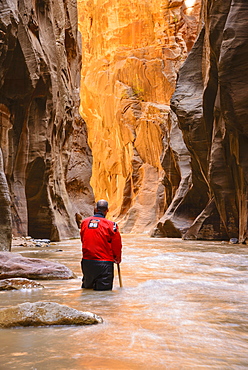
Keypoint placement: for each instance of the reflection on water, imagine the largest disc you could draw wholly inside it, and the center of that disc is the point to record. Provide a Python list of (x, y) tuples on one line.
[(183, 306)]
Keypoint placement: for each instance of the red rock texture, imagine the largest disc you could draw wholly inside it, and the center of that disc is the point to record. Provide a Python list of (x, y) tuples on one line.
[(211, 104), (47, 161), (13, 265)]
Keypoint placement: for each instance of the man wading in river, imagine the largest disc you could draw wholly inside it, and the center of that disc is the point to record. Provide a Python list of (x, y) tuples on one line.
[(101, 244)]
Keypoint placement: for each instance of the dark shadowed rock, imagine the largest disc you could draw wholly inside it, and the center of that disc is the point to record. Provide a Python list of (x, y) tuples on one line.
[(45, 313), (211, 104), (177, 182), (15, 265), (5, 213), (46, 158), (18, 283)]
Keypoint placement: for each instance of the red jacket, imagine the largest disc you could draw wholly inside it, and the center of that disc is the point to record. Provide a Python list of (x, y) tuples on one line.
[(101, 239)]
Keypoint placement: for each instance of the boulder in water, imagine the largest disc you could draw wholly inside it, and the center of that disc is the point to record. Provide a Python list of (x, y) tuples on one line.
[(43, 314), (19, 283), (15, 265)]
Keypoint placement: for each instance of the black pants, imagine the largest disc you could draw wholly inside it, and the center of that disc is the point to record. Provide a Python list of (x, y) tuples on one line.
[(97, 275)]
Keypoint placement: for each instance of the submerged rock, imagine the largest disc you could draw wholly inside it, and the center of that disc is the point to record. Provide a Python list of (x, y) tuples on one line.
[(45, 313), (19, 283), (15, 265)]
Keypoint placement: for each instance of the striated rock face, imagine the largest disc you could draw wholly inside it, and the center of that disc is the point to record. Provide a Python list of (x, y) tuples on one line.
[(132, 51), (45, 313), (211, 103), (5, 213), (47, 161), (14, 265)]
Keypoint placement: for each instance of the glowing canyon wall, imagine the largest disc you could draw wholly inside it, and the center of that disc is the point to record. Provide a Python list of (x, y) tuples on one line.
[(45, 162), (131, 52)]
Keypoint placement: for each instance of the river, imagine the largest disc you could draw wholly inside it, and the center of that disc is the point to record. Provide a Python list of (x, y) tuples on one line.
[(183, 305)]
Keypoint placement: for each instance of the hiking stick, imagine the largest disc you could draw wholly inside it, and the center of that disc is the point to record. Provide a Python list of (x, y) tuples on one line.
[(119, 275)]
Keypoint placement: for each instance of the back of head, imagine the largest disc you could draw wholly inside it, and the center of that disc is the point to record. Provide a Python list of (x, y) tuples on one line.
[(102, 205)]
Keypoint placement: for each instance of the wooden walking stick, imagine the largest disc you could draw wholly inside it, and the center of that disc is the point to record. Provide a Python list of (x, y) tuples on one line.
[(119, 275)]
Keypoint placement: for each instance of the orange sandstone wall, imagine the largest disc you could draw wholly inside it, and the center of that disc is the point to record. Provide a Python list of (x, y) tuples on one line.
[(131, 52)]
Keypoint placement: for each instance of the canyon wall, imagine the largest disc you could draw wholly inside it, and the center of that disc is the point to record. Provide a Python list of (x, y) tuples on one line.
[(132, 51), (182, 171), (211, 104), (45, 156)]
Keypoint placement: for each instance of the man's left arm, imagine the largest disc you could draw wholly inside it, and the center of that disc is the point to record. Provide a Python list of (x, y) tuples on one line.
[(116, 244)]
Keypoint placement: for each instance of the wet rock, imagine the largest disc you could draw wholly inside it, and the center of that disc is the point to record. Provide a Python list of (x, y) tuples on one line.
[(23, 242), (45, 313), (15, 265), (28, 241), (233, 241), (18, 283), (43, 241), (41, 245)]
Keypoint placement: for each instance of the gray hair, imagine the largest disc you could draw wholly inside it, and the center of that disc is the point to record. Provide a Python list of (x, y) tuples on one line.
[(102, 205)]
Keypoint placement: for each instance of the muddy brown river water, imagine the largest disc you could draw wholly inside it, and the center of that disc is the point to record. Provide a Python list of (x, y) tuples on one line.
[(184, 305)]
